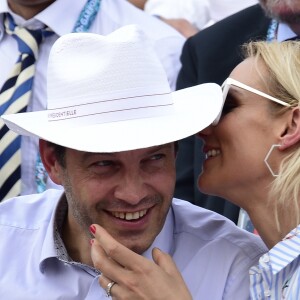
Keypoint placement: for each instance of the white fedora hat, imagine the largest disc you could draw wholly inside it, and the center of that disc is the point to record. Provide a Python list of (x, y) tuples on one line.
[(110, 93)]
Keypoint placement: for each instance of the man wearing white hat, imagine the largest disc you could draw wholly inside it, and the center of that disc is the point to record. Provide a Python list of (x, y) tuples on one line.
[(21, 171), (108, 137)]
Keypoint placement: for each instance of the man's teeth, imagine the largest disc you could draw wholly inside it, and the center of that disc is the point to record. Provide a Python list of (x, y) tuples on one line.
[(212, 153), (129, 215)]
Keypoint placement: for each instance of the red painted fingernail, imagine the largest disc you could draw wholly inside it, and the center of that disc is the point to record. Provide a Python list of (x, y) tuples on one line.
[(92, 229)]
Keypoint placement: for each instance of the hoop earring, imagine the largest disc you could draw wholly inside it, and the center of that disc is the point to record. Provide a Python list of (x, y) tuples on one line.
[(267, 157)]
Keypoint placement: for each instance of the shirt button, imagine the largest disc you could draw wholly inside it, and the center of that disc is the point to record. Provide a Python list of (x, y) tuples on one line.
[(267, 293)]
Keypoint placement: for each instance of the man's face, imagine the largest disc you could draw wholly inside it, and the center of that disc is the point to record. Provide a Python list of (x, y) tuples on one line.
[(128, 193), (286, 11)]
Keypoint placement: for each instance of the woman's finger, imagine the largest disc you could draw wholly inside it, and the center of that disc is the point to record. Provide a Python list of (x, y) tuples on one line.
[(115, 250), (136, 277), (165, 261), (106, 264)]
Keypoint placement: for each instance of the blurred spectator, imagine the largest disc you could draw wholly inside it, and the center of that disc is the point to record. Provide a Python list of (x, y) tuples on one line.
[(190, 16)]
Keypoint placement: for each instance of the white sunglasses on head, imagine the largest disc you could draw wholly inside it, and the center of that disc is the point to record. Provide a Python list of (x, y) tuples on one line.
[(230, 81)]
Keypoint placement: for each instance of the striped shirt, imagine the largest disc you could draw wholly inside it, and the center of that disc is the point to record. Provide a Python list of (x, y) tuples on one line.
[(277, 276)]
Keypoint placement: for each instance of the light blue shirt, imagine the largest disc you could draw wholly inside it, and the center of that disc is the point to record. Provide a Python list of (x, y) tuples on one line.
[(277, 276), (213, 254)]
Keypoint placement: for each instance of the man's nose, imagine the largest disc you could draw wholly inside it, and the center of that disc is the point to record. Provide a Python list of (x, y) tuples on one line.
[(131, 188)]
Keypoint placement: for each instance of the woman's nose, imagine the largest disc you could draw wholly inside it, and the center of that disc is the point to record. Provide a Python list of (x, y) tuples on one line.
[(205, 132)]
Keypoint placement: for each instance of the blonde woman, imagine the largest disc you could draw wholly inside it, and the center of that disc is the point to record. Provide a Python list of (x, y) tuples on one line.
[(253, 160)]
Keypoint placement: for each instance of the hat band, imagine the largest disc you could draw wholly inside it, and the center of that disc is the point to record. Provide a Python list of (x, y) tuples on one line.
[(115, 109)]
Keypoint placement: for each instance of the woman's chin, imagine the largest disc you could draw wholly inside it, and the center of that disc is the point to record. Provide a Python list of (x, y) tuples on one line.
[(205, 186)]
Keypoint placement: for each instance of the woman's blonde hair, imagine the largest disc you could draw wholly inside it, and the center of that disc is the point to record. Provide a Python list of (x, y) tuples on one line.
[(282, 61)]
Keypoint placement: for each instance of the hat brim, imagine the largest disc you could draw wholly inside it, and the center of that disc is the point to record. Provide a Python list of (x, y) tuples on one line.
[(194, 109)]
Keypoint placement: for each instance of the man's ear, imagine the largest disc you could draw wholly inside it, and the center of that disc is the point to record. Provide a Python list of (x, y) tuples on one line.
[(50, 162), (291, 134)]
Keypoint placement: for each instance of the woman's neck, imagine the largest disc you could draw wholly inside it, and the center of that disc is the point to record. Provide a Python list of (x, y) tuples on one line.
[(264, 221)]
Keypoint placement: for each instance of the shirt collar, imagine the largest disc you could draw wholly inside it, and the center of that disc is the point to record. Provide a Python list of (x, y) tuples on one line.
[(48, 16), (57, 22), (289, 247), (284, 32), (52, 236)]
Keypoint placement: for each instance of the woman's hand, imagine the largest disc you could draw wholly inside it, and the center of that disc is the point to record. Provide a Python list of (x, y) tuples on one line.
[(136, 277)]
